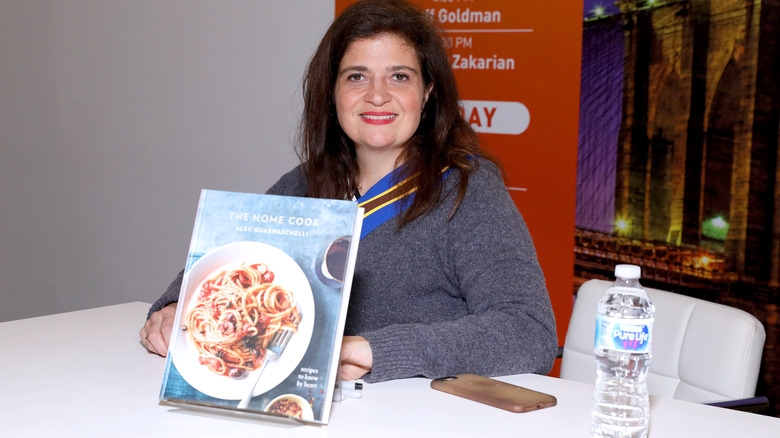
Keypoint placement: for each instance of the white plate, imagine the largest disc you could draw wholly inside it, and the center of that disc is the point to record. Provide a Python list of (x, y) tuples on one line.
[(287, 274), (306, 411)]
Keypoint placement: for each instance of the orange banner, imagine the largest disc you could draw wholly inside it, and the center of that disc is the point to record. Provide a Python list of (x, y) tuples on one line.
[(518, 69)]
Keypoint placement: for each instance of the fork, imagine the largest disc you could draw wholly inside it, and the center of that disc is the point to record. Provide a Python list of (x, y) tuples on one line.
[(274, 349)]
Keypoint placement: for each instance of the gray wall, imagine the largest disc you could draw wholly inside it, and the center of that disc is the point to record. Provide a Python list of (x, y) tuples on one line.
[(113, 116)]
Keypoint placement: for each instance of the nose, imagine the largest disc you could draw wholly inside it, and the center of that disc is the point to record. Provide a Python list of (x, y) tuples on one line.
[(377, 93)]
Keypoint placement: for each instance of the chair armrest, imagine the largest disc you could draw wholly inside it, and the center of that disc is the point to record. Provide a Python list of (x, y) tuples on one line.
[(753, 404)]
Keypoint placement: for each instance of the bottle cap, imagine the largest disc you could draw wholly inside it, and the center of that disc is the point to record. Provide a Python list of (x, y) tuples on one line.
[(628, 271)]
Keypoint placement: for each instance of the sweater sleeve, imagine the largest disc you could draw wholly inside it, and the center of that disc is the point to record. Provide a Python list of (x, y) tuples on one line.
[(510, 326), (171, 295)]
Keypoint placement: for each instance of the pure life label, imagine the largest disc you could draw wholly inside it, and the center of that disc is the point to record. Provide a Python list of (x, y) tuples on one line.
[(626, 335)]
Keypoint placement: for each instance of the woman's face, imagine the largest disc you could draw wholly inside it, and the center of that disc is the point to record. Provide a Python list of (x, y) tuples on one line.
[(380, 94)]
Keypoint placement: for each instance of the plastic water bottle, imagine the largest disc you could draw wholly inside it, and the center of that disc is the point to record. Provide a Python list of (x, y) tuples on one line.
[(624, 340)]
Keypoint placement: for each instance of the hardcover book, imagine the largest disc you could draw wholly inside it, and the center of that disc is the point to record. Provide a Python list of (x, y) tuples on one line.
[(261, 311)]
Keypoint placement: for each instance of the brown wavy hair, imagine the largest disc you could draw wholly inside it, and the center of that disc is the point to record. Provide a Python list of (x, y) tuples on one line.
[(443, 138)]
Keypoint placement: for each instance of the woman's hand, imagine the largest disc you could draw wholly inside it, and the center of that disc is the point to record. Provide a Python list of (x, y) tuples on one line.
[(356, 357), (156, 333)]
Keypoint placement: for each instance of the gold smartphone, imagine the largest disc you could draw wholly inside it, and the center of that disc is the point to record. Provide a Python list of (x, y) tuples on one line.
[(494, 392)]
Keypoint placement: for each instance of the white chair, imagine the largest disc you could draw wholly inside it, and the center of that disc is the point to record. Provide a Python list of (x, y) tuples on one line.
[(702, 351)]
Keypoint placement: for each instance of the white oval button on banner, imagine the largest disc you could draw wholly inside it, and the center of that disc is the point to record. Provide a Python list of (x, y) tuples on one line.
[(493, 117)]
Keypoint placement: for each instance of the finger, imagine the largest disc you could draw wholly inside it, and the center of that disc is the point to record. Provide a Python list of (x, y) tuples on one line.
[(167, 332), (157, 344), (168, 315), (352, 372), (146, 330), (355, 350), (142, 335), (146, 333)]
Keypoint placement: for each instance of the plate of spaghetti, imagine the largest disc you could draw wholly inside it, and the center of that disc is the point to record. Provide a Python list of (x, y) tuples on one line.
[(237, 297)]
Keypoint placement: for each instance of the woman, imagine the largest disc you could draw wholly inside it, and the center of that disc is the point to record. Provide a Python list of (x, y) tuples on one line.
[(446, 279)]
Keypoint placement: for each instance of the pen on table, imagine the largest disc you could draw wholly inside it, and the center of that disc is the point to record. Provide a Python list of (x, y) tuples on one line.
[(347, 390), (352, 389)]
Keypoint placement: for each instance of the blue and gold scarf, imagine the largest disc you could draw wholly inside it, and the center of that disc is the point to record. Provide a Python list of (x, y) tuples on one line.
[(387, 199)]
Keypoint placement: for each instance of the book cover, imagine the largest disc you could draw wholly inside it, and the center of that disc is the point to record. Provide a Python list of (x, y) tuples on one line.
[(262, 306)]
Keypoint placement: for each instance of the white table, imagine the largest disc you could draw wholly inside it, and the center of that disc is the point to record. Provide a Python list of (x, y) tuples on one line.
[(85, 374)]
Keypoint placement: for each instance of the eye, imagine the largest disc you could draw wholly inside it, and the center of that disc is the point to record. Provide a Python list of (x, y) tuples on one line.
[(400, 77), (354, 77)]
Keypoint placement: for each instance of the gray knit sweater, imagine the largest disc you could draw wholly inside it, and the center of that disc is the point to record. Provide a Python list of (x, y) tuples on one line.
[(444, 296)]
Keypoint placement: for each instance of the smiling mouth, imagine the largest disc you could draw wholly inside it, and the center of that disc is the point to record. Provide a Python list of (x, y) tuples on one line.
[(378, 117)]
